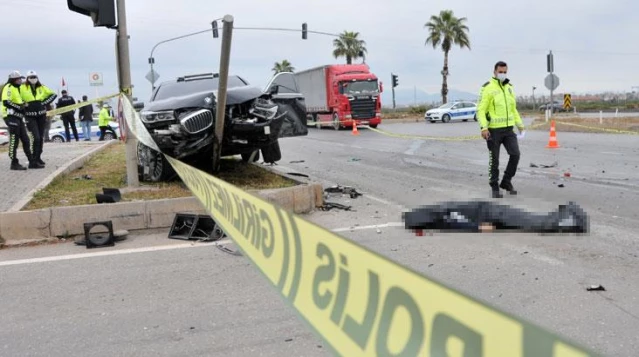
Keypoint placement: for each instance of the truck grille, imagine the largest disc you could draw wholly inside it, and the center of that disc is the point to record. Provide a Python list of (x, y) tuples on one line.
[(363, 108), (197, 121)]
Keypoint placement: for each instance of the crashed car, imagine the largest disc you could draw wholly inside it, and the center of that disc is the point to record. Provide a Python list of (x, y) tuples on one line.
[(180, 117)]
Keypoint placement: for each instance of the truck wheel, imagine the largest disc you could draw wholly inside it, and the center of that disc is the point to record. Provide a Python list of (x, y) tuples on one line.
[(336, 123), (247, 156), (272, 153)]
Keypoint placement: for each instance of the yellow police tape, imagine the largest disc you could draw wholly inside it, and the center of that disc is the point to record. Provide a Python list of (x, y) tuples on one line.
[(78, 105), (597, 128), (359, 302)]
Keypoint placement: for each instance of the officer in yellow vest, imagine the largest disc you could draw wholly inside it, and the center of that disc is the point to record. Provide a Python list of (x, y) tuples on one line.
[(36, 97), (497, 116), (12, 108), (103, 120)]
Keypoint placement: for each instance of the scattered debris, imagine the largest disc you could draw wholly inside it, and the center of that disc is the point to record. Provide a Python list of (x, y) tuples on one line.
[(561, 185), (596, 288), (567, 174), (297, 174), (355, 159), (227, 250), (330, 205), (84, 177), (343, 189), (543, 166), (379, 231), (297, 162), (288, 340)]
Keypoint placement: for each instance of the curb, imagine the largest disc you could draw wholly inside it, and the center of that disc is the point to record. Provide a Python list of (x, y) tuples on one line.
[(29, 227), (72, 165)]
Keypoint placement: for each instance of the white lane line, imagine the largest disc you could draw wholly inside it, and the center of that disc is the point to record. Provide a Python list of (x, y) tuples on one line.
[(414, 147), (360, 228), (612, 152), (113, 252)]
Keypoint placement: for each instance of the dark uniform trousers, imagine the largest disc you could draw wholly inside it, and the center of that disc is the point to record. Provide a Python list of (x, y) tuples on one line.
[(508, 138), (36, 126), (17, 131)]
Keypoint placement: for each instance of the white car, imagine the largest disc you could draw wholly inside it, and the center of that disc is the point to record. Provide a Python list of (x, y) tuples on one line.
[(4, 137), (58, 135), (463, 110)]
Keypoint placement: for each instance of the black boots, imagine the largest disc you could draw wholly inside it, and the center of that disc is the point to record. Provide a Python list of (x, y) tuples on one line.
[(15, 165), (35, 165), (506, 185)]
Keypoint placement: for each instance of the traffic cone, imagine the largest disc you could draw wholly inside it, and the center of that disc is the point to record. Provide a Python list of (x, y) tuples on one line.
[(355, 132), (552, 142)]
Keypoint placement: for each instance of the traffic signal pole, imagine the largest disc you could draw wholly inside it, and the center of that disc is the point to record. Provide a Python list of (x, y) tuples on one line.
[(124, 80)]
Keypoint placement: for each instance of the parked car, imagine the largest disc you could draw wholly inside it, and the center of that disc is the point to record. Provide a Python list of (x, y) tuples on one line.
[(462, 110), (58, 135), (4, 137), (180, 117), (557, 106)]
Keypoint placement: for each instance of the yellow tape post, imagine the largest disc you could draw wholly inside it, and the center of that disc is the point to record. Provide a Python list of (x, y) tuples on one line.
[(359, 302)]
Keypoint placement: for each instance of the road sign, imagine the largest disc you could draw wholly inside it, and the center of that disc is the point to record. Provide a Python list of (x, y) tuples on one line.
[(152, 76), (567, 101), (95, 79), (551, 81)]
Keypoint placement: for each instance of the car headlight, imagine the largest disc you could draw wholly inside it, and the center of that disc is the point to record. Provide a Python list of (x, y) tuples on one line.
[(151, 117)]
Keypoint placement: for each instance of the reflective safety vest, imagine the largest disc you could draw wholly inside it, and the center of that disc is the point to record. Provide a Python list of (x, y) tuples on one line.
[(11, 101), (498, 102), (104, 118), (36, 102)]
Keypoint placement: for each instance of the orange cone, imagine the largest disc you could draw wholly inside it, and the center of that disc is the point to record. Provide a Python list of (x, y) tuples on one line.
[(552, 142), (355, 132)]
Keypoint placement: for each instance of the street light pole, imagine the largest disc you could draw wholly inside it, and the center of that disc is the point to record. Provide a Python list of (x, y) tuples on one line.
[(225, 62), (124, 77)]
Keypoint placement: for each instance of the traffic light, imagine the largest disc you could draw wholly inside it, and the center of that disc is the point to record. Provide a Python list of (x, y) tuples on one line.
[(215, 33), (304, 31), (102, 12), (395, 80)]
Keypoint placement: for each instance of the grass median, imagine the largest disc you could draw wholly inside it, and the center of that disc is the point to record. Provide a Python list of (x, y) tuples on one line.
[(107, 169), (574, 124)]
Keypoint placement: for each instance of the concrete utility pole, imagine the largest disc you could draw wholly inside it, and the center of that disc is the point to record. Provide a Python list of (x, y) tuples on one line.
[(124, 79), (225, 59)]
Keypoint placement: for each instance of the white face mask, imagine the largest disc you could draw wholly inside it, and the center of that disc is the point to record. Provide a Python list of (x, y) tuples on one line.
[(33, 80), (501, 76)]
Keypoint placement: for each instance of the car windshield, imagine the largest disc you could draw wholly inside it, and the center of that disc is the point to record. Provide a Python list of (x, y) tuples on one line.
[(446, 106), (359, 87), (176, 89)]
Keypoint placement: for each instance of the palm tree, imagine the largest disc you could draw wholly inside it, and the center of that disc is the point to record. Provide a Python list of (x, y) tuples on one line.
[(447, 30), (349, 46), (284, 66)]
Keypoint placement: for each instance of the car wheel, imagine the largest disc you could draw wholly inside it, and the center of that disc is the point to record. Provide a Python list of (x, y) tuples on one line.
[(154, 166), (272, 153), (374, 126), (464, 119), (445, 118), (247, 156), (336, 123), (57, 139)]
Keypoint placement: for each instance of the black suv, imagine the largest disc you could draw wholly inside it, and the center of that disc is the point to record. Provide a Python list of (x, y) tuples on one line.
[(181, 119)]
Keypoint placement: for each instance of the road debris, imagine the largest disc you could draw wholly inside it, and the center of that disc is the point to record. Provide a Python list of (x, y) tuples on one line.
[(297, 174), (297, 162), (596, 288), (543, 166), (344, 190), (330, 205)]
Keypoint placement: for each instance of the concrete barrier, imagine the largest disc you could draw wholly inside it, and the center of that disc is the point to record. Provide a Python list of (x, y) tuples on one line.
[(68, 221)]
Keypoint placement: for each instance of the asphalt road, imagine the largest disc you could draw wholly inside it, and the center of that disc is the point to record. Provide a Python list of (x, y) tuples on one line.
[(200, 301)]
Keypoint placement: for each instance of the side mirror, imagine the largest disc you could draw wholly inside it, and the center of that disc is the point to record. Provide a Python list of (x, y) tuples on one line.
[(138, 105)]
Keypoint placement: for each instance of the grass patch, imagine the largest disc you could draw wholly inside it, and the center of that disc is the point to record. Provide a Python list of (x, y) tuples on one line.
[(588, 125), (107, 169)]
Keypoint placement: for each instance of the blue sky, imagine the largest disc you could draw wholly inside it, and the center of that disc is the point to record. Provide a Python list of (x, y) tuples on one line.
[(587, 38)]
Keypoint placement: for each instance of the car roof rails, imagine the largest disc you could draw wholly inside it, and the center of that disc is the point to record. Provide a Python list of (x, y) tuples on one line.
[(193, 77)]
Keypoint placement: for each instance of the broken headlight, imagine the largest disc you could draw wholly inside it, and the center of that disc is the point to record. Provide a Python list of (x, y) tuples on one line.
[(153, 117), (264, 109)]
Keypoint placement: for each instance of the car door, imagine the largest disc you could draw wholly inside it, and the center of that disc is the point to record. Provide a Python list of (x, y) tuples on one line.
[(469, 110), (455, 111), (286, 93)]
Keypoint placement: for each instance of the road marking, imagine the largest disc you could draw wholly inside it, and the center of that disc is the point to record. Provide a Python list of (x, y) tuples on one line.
[(414, 147), (360, 228), (112, 252), (612, 153)]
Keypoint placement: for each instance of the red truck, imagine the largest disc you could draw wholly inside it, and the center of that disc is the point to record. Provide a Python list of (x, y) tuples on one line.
[(339, 94)]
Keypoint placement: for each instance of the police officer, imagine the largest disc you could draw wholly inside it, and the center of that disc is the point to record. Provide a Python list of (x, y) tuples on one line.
[(12, 108), (36, 97), (68, 118), (498, 103)]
